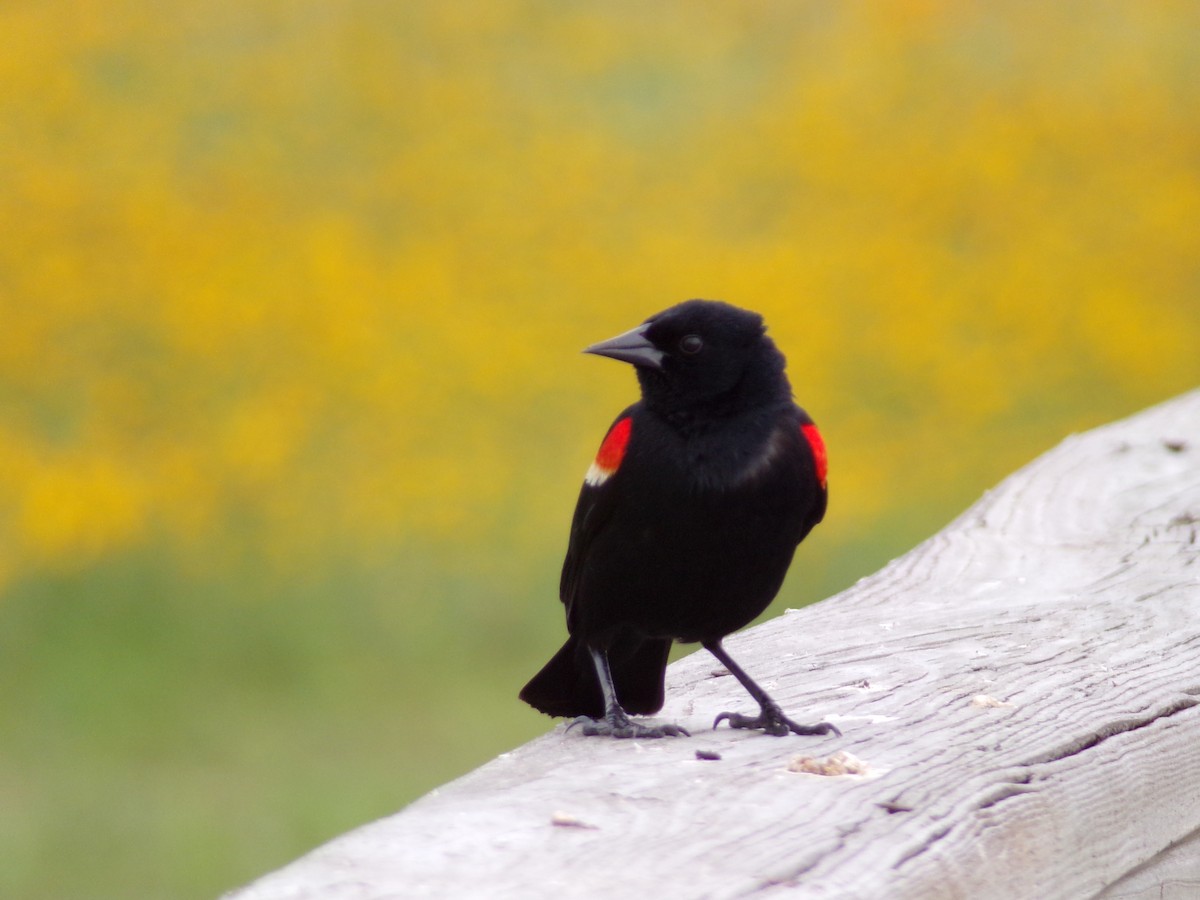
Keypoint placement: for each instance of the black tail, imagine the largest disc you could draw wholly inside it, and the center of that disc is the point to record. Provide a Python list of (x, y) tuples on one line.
[(567, 685)]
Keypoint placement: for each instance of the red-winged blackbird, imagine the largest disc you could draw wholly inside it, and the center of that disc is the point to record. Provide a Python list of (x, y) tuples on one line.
[(687, 520)]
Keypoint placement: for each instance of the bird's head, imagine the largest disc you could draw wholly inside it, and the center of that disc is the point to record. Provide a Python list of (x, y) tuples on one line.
[(701, 353)]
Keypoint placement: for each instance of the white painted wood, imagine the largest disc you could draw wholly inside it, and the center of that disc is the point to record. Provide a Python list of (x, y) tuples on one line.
[(1024, 688)]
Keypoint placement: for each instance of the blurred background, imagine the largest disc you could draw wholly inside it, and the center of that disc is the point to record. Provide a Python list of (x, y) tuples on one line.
[(292, 410)]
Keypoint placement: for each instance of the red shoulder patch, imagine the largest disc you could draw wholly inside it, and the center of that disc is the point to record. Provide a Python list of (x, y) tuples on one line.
[(611, 452), (817, 444)]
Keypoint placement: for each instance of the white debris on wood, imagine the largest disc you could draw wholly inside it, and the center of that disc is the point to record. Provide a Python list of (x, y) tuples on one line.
[(840, 763)]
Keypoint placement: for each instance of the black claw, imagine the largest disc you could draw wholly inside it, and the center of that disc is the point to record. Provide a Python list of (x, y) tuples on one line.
[(721, 717), (774, 722), (624, 727), (819, 728)]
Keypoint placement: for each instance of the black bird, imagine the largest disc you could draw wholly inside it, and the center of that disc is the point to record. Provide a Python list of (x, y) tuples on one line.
[(687, 520)]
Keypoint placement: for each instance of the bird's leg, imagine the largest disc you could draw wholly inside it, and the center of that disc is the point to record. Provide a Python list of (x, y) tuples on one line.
[(771, 718), (616, 723)]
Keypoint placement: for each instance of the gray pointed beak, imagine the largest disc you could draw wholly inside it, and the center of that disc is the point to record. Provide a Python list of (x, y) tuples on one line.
[(631, 347)]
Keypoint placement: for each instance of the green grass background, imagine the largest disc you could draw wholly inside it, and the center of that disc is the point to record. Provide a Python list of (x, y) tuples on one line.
[(292, 415)]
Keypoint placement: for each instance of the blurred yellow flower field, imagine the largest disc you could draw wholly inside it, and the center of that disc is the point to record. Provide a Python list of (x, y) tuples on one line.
[(292, 415)]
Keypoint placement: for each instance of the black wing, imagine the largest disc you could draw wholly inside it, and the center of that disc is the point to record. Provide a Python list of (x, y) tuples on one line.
[(597, 499)]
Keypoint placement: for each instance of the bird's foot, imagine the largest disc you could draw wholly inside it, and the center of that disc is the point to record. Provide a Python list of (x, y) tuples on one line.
[(772, 721), (618, 725)]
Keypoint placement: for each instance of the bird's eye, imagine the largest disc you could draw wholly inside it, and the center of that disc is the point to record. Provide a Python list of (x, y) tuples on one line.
[(691, 344)]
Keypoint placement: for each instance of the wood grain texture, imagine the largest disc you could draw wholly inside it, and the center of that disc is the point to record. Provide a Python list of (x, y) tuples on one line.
[(1024, 688)]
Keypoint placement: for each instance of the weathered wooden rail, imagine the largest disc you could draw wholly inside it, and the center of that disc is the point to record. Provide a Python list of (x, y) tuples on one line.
[(1023, 690)]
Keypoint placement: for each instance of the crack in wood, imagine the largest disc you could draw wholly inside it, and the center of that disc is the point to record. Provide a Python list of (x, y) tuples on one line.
[(1122, 726), (913, 852), (1022, 784)]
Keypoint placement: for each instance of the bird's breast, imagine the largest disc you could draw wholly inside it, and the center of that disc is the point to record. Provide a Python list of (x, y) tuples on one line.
[(737, 458)]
